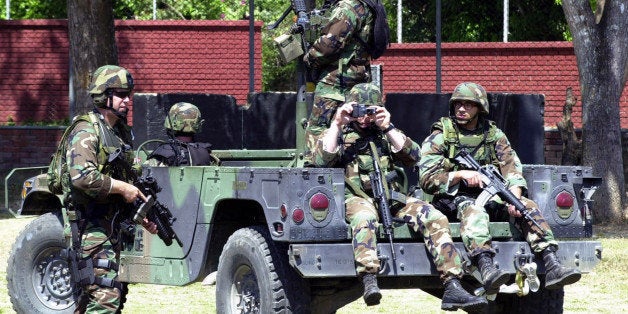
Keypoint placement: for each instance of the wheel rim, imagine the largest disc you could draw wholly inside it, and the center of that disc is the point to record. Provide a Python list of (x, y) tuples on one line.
[(51, 279), (245, 294)]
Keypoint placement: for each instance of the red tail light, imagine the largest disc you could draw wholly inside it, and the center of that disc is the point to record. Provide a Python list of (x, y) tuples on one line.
[(319, 201), (319, 206), (283, 211), (298, 215), (564, 200)]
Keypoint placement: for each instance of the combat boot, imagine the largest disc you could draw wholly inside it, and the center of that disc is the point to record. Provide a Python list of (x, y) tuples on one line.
[(371, 290), (492, 277), (557, 275), (456, 297)]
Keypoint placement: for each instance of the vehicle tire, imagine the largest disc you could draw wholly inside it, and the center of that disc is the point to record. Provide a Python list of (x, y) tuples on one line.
[(254, 276), (38, 278)]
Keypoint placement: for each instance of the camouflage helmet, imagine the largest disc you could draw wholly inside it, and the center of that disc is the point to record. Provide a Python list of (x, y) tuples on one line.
[(184, 117), (365, 93), (470, 92), (109, 77)]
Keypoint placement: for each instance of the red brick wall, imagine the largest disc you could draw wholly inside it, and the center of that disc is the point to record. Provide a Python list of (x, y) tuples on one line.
[(212, 57), (520, 67), (163, 56), (33, 73)]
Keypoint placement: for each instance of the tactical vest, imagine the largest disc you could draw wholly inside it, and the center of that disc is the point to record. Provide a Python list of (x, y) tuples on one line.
[(108, 143), (480, 145), (355, 51), (358, 164), (183, 154)]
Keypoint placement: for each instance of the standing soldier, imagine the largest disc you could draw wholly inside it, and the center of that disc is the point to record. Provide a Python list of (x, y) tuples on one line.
[(338, 60), (455, 188), (182, 124), (96, 191), (348, 143)]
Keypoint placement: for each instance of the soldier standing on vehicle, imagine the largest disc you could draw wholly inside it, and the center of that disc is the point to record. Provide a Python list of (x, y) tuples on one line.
[(347, 144), (182, 124), (96, 191), (455, 189), (338, 60)]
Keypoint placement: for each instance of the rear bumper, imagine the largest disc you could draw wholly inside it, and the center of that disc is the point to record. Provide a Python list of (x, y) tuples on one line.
[(412, 259)]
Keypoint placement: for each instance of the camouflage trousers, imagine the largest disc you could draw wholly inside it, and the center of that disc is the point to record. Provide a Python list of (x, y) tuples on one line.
[(420, 216), (474, 222), (323, 111), (97, 299)]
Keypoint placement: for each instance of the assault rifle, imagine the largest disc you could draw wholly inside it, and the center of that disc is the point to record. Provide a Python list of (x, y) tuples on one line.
[(380, 194), (152, 209), (494, 184)]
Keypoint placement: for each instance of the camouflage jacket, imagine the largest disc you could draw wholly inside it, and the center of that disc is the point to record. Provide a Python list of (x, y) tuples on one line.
[(354, 155), (89, 146), (338, 57), (437, 155)]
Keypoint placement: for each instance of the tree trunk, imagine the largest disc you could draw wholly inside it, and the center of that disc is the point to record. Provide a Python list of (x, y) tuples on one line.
[(91, 34), (601, 48), (572, 146)]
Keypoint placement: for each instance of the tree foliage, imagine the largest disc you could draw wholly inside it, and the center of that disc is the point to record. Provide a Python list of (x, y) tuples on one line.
[(479, 21), (36, 9), (137, 9)]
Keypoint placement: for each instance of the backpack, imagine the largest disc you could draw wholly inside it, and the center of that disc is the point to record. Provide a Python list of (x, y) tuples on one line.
[(381, 31), (58, 170)]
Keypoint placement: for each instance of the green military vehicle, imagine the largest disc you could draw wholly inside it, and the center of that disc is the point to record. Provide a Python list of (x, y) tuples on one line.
[(275, 233)]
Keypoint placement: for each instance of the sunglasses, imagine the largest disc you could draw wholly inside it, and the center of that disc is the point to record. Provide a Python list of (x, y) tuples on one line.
[(466, 104), (122, 94)]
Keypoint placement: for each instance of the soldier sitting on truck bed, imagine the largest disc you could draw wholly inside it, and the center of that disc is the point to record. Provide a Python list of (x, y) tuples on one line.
[(455, 188), (347, 144), (182, 123)]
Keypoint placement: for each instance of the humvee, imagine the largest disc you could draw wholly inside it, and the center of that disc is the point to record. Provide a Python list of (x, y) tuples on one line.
[(275, 233)]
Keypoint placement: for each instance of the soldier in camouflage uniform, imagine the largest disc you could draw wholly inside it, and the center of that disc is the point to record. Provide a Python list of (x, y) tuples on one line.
[(95, 191), (455, 188), (182, 123), (338, 60), (347, 144)]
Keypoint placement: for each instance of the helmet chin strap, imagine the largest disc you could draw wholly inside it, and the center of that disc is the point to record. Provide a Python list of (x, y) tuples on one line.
[(117, 113), (464, 121)]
